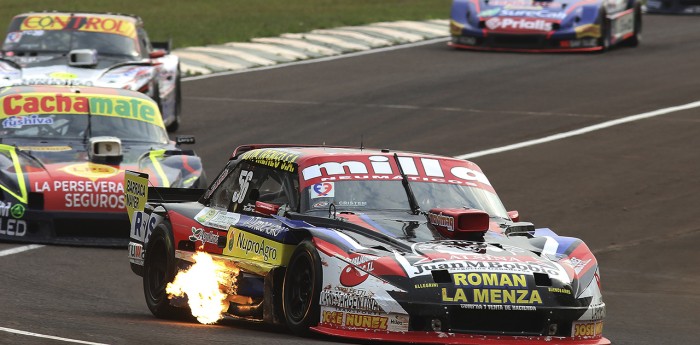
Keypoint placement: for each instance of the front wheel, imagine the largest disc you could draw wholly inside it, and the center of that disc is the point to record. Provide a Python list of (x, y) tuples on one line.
[(159, 269), (301, 289), (604, 40), (637, 37)]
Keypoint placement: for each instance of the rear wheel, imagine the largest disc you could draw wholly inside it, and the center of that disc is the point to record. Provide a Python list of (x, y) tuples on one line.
[(302, 288), (159, 269)]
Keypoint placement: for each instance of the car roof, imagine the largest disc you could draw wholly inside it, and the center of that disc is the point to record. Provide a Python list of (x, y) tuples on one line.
[(123, 16), (303, 154)]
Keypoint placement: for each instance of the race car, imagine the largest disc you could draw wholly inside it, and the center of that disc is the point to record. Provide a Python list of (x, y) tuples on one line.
[(63, 152), (545, 26), (673, 6), (366, 244), (91, 49)]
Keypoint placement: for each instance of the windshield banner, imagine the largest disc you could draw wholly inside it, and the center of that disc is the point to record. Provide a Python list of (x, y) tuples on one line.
[(19, 105), (101, 24)]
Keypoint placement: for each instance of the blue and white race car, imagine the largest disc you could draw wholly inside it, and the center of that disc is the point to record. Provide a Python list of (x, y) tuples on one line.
[(91, 49), (545, 26)]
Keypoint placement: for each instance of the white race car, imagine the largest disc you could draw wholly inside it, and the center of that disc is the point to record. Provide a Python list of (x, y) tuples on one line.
[(91, 49)]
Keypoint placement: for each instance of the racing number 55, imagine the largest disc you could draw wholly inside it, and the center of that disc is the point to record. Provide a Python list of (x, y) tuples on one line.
[(244, 182)]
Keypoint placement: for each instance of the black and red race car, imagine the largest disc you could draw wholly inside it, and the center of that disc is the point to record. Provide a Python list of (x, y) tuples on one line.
[(366, 244)]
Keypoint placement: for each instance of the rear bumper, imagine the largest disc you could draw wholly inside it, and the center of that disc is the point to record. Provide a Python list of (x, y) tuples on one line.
[(69, 228)]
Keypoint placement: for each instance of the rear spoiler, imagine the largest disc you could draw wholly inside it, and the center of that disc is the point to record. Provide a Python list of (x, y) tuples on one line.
[(167, 45), (165, 194)]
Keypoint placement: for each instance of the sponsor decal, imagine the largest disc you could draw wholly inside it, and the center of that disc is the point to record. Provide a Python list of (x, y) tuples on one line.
[(13, 227), (274, 158), (221, 220), (559, 290), (491, 288), (352, 203), (62, 75), (142, 225), (217, 183), (587, 329), (351, 275), (45, 148), (18, 122), (90, 171), (320, 204), (13, 37), (622, 26), (50, 81), (57, 103), (425, 285), (525, 267), (380, 168), (490, 12), (250, 246), (384, 322), (199, 234), (443, 221), (322, 190), (518, 24), (264, 226), (108, 25), (578, 264), (136, 253), (103, 194), (350, 300), (530, 13), (17, 211)]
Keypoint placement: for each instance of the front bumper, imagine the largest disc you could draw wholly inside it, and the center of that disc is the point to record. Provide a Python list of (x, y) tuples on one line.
[(70, 228), (454, 338), (524, 43)]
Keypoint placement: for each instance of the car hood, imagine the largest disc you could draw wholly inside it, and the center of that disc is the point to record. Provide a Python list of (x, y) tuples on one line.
[(62, 173)]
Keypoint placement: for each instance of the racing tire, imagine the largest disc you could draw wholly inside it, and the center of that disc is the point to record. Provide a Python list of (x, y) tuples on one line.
[(637, 37), (301, 289), (172, 127), (604, 40), (159, 269)]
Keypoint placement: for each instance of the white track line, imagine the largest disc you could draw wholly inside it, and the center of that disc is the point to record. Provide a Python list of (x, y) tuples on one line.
[(580, 131), (10, 330), (19, 249)]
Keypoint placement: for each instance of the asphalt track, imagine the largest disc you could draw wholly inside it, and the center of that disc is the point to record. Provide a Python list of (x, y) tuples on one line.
[(631, 191)]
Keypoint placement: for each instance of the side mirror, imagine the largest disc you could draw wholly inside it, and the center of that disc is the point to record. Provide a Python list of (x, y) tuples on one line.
[(184, 140), (459, 223), (514, 216), (158, 53)]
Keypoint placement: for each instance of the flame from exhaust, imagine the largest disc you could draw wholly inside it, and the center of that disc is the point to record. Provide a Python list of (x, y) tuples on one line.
[(202, 283)]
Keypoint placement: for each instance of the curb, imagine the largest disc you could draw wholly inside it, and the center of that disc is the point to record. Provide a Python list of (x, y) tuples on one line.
[(270, 51)]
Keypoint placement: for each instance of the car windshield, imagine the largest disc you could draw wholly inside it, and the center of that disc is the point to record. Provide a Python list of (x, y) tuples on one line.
[(63, 41), (368, 195), (69, 127)]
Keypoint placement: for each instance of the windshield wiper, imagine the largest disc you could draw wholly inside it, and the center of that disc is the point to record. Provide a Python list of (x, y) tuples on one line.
[(415, 209)]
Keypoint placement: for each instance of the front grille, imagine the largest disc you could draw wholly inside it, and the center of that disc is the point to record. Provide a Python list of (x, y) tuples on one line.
[(514, 322), (96, 228), (517, 41)]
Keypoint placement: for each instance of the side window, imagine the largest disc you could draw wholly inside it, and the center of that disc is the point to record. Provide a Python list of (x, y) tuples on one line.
[(144, 43), (222, 188), (260, 183)]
